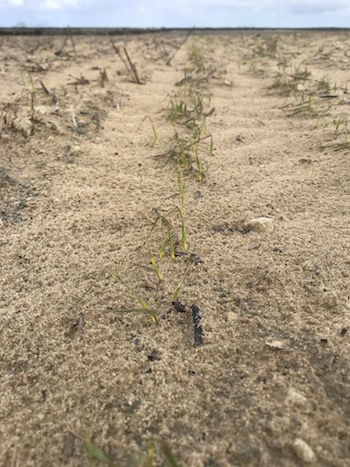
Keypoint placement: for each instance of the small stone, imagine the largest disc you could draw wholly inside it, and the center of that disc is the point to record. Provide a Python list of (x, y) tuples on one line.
[(5, 137), (304, 451), (276, 345), (231, 316), (41, 109), (329, 299), (300, 87), (260, 224), (76, 150), (338, 45), (25, 125), (295, 398)]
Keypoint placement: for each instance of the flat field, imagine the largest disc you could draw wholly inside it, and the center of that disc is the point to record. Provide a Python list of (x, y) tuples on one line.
[(144, 178)]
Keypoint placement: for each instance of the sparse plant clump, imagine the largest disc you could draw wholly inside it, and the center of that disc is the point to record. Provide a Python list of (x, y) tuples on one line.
[(325, 86), (148, 456), (196, 55), (267, 48), (187, 114), (291, 84)]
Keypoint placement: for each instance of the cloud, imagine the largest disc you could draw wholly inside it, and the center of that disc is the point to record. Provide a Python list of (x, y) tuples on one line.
[(153, 4), (317, 6), (12, 3), (177, 13), (292, 6), (47, 4)]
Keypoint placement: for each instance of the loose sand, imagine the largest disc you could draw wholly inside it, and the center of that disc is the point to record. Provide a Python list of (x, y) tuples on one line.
[(270, 386)]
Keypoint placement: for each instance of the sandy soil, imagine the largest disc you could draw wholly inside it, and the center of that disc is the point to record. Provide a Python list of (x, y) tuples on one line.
[(268, 232)]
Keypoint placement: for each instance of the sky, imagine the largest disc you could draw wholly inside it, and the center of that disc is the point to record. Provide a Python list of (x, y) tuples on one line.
[(175, 13)]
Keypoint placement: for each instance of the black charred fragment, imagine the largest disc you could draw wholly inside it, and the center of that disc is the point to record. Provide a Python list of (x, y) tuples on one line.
[(198, 330)]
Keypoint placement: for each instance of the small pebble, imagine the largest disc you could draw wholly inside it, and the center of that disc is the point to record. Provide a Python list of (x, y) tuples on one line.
[(304, 451), (260, 224), (276, 345), (295, 398), (329, 299)]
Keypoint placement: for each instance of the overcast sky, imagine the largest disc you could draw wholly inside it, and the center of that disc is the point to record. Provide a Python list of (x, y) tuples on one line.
[(176, 13)]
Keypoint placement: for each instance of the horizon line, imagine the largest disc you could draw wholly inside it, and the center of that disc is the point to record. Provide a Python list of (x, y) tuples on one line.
[(72, 30)]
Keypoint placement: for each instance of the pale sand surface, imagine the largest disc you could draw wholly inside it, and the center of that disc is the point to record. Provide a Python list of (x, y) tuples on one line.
[(274, 367)]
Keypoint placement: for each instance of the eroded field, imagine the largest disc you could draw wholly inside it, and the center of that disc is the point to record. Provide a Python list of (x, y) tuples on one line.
[(243, 142)]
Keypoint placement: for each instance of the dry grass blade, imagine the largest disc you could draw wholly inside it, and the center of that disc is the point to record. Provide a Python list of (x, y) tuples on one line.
[(49, 93)]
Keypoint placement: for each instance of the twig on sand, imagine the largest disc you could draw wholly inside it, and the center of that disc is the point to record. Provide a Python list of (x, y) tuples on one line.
[(128, 64), (117, 51), (132, 67)]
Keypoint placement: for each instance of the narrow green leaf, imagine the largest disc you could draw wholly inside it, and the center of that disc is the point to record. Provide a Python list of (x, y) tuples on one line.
[(199, 169), (184, 236), (169, 456), (171, 245), (162, 248), (96, 453), (156, 140), (211, 147), (150, 454), (154, 263)]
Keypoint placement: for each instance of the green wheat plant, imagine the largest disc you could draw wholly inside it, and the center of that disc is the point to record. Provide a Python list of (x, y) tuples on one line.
[(170, 238), (147, 457), (96, 454), (169, 241), (150, 455), (155, 135), (154, 262), (196, 55), (180, 184), (183, 230)]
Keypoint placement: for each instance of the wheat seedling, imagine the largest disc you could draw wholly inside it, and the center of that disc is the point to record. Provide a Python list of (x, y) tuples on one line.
[(149, 455), (154, 262), (156, 140), (180, 184), (183, 230)]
